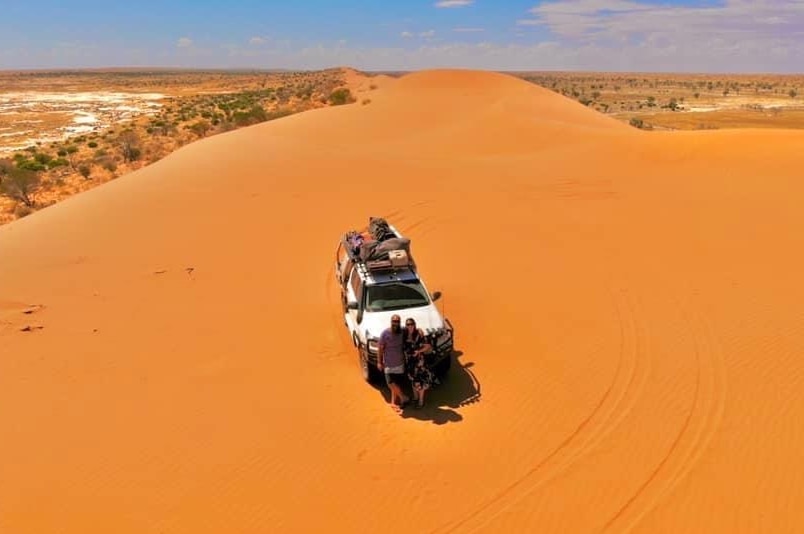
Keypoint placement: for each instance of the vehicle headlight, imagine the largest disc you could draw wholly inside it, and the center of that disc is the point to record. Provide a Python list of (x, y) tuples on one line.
[(372, 345)]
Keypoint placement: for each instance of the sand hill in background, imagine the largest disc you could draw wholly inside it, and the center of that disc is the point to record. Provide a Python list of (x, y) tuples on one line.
[(627, 308)]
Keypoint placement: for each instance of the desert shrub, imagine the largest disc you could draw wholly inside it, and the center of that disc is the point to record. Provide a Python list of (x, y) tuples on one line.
[(200, 128), (341, 96), (366, 101), (253, 116), (21, 185), (42, 158), (21, 210), (61, 153), (85, 170), (108, 163), (92, 144), (673, 104), (372, 87), (636, 122), (129, 145), (30, 165), (792, 93), (58, 162), (72, 150)]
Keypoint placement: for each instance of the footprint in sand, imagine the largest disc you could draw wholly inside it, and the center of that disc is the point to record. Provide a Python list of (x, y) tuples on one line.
[(10, 315)]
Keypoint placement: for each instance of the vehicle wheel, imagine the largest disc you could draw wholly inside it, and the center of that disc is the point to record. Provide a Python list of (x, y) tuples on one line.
[(368, 372), (442, 369)]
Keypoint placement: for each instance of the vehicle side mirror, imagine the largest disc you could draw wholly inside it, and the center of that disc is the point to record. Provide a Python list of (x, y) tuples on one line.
[(436, 295), (351, 305)]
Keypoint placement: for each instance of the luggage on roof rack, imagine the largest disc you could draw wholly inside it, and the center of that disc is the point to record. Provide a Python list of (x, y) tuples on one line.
[(381, 247), (380, 229)]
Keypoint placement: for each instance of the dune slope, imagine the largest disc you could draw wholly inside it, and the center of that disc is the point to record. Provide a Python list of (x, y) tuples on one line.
[(627, 307)]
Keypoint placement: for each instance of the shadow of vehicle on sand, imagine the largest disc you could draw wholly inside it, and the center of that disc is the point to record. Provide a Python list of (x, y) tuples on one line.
[(460, 387)]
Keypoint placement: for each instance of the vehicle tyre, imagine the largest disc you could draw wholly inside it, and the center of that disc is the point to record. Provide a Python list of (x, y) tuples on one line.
[(367, 371), (442, 369)]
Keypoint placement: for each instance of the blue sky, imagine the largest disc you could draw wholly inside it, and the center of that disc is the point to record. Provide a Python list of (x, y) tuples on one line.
[(611, 35)]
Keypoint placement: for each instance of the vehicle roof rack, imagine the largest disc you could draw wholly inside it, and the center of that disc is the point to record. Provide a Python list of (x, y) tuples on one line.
[(379, 247)]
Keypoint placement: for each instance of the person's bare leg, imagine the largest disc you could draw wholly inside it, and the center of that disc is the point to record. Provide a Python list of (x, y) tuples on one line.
[(396, 394), (393, 393), (402, 397), (422, 391)]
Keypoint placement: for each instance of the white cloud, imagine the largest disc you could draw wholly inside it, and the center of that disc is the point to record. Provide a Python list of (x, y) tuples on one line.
[(454, 3), (256, 41), (468, 30), (406, 35), (428, 33), (615, 20), (184, 42), (733, 35)]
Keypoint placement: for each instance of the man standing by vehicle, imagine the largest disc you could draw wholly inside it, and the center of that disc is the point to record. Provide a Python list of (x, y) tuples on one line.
[(391, 360)]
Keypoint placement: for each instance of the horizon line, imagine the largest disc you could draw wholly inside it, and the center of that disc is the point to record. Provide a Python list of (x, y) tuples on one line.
[(277, 70)]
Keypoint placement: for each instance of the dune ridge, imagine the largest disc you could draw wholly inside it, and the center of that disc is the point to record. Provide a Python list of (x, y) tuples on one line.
[(627, 309)]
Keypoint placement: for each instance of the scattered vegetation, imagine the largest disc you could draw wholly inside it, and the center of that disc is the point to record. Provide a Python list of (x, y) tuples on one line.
[(203, 103), (683, 101)]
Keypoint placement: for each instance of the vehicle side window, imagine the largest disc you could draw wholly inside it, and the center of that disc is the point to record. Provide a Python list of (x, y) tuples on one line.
[(355, 283)]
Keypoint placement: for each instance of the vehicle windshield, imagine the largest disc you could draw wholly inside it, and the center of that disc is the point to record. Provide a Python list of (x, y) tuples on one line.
[(395, 296)]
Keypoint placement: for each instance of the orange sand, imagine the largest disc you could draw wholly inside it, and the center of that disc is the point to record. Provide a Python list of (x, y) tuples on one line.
[(628, 310)]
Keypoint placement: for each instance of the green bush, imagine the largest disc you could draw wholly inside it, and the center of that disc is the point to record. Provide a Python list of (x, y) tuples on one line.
[(341, 96), (43, 158), (58, 162), (30, 165), (637, 123)]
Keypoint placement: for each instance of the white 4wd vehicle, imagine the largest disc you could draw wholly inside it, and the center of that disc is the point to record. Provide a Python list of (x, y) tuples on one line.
[(377, 279)]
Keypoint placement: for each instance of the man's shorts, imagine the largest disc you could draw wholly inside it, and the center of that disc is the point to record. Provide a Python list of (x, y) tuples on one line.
[(395, 375)]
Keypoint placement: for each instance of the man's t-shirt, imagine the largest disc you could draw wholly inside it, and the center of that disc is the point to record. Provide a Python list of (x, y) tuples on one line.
[(391, 344)]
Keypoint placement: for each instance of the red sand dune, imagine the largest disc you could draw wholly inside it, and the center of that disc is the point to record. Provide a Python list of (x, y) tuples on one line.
[(627, 307)]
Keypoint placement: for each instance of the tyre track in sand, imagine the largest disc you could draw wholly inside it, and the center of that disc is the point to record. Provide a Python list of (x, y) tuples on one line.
[(614, 405), (695, 434)]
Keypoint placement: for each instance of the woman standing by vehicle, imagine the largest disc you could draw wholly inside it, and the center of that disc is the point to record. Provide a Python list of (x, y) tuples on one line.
[(415, 346)]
